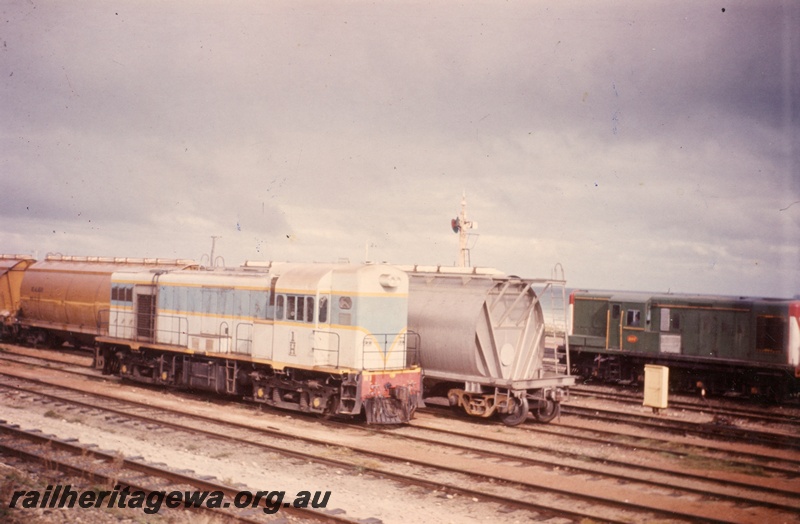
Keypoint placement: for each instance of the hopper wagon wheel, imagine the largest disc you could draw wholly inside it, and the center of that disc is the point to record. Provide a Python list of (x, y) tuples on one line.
[(455, 405), (547, 411), (516, 416)]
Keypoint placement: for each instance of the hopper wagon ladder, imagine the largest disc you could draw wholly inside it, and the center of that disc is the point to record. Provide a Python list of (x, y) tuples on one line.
[(556, 356)]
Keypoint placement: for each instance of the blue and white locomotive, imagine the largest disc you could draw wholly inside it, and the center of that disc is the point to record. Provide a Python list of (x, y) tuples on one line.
[(330, 339)]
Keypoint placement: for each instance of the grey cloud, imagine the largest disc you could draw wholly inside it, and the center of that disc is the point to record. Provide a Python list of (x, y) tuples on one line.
[(667, 132)]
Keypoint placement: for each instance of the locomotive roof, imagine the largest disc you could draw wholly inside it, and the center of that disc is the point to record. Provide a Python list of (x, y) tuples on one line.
[(676, 298), (295, 276)]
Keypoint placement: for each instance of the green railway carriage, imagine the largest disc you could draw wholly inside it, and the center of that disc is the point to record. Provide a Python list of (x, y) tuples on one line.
[(733, 345)]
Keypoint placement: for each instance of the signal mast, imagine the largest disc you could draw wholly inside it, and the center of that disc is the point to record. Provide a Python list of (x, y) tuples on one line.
[(461, 225)]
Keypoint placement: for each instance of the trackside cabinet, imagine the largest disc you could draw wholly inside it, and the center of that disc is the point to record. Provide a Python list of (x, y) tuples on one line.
[(656, 386)]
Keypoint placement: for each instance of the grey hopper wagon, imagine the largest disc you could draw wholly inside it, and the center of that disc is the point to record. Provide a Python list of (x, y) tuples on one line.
[(482, 343)]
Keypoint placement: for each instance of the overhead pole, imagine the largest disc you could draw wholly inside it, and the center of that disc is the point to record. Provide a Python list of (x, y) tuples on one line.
[(461, 225)]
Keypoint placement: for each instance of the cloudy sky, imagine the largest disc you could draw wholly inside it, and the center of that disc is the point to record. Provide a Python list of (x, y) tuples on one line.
[(642, 145)]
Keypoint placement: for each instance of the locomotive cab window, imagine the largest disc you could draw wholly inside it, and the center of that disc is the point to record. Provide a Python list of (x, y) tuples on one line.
[(299, 308), (122, 293), (769, 333), (615, 311), (309, 309), (292, 311), (279, 307), (323, 310), (633, 318)]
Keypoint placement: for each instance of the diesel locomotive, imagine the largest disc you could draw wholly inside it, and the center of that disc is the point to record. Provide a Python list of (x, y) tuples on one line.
[(736, 346), (330, 339)]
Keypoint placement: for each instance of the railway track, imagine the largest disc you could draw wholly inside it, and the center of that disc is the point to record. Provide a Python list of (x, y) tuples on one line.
[(719, 408), (131, 474), (512, 460), (716, 431), (611, 470), (384, 463)]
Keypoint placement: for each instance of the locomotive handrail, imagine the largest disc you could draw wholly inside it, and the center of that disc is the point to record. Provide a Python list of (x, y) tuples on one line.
[(248, 340), (182, 329), (413, 351), (383, 346)]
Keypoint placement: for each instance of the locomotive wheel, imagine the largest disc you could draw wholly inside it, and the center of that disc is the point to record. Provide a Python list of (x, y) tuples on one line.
[(330, 409), (547, 412), (517, 415)]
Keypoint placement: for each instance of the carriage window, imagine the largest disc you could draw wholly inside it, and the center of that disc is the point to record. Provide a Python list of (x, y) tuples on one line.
[(323, 310), (279, 307), (675, 321), (345, 302), (634, 317), (291, 307), (115, 293)]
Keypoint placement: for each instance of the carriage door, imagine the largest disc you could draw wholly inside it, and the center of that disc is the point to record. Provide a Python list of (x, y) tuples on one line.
[(145, 307)]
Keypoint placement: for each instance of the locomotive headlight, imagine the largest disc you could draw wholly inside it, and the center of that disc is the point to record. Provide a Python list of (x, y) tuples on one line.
[(390, 281), (123, 369)]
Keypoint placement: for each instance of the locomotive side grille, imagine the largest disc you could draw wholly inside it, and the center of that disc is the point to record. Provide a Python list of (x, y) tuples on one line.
[(145, 318)]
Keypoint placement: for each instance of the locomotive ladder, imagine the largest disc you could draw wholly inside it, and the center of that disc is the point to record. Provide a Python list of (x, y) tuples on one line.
[(556, 355)]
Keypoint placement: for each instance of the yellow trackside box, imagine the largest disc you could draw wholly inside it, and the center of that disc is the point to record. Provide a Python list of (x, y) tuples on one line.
[(656, 386)]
